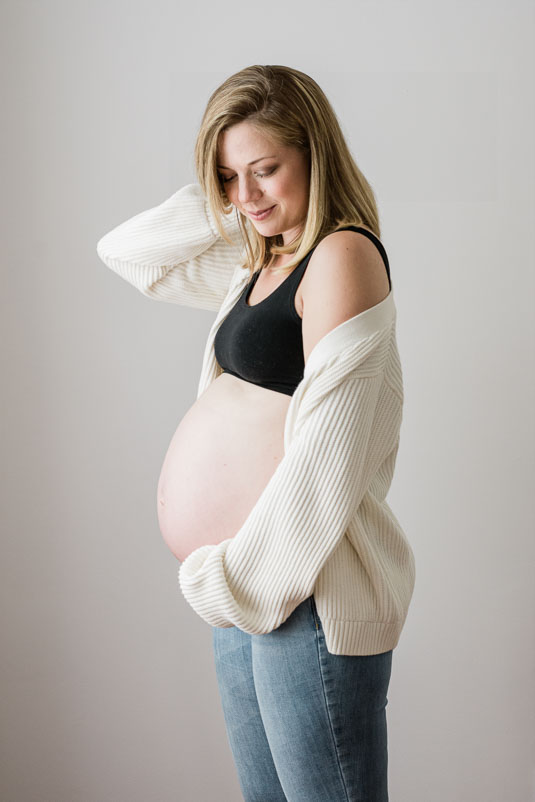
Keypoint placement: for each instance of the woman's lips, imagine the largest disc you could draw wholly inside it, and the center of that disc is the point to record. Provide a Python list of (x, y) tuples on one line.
[(261, 215)]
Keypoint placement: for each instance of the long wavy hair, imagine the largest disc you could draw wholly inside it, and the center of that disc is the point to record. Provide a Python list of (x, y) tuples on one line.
[(289, 107)]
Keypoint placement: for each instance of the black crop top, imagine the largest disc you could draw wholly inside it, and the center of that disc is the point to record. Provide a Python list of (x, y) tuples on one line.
[(263, 343)]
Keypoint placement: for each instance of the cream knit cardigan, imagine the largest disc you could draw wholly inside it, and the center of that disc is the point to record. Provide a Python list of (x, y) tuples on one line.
[(322, 525)]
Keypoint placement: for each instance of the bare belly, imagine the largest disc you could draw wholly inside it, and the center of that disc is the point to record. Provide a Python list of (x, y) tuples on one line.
[(222, 455)]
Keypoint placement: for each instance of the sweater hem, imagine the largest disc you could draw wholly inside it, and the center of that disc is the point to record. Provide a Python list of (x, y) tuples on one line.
[(343, 636)]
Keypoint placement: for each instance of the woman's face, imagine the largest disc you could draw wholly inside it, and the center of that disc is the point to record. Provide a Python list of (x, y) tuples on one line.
[(279, 178)]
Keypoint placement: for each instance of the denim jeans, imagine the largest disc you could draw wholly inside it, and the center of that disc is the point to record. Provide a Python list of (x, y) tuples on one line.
[(303, 725)]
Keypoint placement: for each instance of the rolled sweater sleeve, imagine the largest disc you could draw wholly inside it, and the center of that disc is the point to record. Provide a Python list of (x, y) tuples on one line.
[(257, 578), (173, 251)]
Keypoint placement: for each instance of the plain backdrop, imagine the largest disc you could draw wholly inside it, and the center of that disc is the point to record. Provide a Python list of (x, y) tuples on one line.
[(108, 688)]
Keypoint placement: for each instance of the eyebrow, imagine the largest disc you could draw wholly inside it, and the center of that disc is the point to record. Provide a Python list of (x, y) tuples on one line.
[(222, 166)]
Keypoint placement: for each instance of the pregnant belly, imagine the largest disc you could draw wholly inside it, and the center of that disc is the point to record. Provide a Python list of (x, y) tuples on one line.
[(221, 457)]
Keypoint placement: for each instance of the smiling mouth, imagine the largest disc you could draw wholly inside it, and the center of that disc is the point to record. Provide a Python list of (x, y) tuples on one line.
[(261, 213)]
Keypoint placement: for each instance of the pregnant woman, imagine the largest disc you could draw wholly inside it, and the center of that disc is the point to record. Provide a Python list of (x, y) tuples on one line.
[(273, 490)]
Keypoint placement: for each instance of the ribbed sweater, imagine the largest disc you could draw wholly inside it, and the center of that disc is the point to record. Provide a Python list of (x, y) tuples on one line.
[(322, 524)]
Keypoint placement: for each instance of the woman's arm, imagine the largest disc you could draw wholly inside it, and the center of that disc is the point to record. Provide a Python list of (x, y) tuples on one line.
[(173, 252)]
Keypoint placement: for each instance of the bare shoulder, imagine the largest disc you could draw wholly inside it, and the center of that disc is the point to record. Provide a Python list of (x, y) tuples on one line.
[(345, 276)]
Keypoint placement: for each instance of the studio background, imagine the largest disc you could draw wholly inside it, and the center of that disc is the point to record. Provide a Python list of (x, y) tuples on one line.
[(108, 689)]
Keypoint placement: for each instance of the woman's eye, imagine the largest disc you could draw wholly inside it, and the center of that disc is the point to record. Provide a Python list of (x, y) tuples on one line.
[(269, 172), (260, 175)]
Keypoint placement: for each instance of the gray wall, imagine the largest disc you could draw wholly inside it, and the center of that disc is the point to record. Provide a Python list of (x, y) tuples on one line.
[(108, 685)]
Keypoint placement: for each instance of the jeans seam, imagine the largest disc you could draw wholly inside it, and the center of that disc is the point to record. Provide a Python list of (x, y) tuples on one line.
[(329, 717)]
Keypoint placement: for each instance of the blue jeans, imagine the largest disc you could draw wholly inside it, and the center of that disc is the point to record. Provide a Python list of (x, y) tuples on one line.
[(304, 725)]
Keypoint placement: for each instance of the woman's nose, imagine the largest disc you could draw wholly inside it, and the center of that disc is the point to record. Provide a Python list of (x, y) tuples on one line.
[(248, 191)]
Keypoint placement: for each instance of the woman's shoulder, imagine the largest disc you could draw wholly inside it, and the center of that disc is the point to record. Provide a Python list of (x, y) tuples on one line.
[(345, 276)]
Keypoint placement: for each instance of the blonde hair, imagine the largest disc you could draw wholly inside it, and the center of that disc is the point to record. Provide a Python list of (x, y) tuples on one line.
[(289, 107)]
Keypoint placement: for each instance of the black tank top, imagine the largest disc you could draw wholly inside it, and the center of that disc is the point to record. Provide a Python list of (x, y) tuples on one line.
[(263, 343)]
